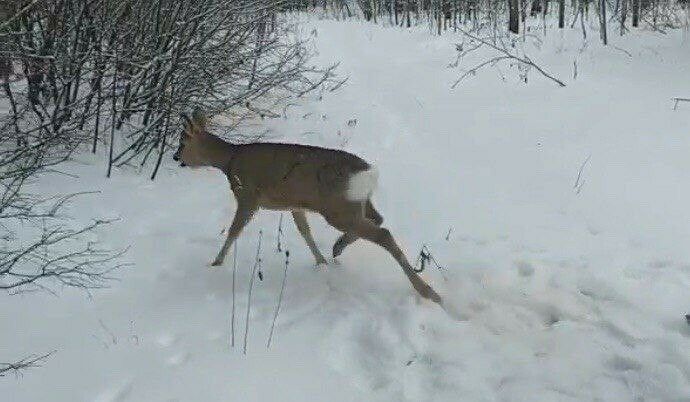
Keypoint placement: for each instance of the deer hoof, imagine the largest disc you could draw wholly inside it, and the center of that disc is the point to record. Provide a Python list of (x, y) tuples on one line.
[(321, 261), (337, 249)]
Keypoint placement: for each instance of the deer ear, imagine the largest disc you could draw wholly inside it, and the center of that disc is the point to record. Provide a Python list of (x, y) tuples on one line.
[(199, 120)]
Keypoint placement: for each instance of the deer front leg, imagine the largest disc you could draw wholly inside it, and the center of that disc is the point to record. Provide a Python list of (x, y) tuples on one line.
[(244, 213), (303, 227)]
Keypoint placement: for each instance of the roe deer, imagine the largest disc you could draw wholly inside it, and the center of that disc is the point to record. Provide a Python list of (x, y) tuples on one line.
[(298, 178)]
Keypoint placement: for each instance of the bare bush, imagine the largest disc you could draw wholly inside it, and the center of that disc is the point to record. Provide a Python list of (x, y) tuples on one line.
[(93, 69), (39, 245), (119, 72)]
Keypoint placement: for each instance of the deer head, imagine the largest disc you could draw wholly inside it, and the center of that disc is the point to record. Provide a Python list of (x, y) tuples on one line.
[(197, 146)]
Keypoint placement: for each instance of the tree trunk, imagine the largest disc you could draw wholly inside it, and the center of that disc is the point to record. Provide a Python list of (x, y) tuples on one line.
[(514, 22), (635, 13), (582, 20), (5, 63), (602, 21), (535, 8), (395, 10), (624, 14), (561, 13)]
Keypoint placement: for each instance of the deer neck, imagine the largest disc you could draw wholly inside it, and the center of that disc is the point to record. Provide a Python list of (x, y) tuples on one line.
[(220, 153)]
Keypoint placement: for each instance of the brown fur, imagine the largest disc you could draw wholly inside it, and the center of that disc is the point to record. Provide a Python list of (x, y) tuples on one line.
[(297, 178)]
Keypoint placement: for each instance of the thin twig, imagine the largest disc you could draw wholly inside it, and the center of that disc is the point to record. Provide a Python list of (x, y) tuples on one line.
[(232, 321), (257, 262), (578, 184), (507, 54), (424, 258), (280, 298), (23, 364), (339, 84), (676, 100), (624, 51), (280, 233), (19, 14)]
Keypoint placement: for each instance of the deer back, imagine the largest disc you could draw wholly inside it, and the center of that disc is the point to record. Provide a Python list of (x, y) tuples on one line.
[(290, 176)]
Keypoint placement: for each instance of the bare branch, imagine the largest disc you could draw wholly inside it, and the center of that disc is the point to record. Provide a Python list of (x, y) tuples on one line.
[(24, 364), (505, 54)]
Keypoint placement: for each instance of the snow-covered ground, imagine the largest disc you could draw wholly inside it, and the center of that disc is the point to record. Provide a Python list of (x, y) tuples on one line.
[(555, 291)]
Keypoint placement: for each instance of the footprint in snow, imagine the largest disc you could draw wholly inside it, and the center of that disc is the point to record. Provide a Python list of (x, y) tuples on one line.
[(621, 363), (593, 230), (115, 394), (524, 268), (178, 359), (166, 340), (660, 264)]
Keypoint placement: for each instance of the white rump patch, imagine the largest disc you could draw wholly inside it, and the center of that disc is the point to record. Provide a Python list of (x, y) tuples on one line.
[(362, 185)]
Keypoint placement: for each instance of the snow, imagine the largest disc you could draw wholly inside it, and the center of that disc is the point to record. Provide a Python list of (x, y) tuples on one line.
[(556, 290)]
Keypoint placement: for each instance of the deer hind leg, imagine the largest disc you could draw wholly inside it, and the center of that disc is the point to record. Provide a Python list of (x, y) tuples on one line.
[(381, 236), (352, 221), (244, 213), (348, 238), (343, 241), (303, 227)]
